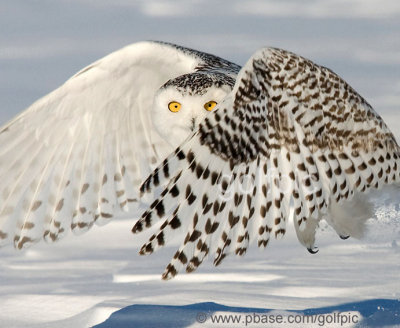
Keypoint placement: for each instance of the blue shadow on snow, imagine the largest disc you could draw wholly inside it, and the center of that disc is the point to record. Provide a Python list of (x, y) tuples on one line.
[(375, 313)]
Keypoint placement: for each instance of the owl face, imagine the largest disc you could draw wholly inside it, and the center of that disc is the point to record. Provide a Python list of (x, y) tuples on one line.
[(181, 104)]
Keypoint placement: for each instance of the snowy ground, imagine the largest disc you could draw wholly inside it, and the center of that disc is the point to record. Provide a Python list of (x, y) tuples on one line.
[(81, 281)]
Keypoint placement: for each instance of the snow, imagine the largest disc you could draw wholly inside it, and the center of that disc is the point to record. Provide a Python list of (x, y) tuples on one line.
[(376, 313), (83, 280), (98, 278)]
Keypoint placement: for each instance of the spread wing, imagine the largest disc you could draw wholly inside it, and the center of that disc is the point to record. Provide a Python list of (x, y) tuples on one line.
[(290, 133), (78, 155)]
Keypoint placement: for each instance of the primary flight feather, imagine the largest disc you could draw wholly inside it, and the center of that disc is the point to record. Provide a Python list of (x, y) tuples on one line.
[(233, 150)]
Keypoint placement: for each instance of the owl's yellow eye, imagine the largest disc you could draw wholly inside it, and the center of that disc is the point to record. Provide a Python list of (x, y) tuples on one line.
[(174, 106), (210, 105)]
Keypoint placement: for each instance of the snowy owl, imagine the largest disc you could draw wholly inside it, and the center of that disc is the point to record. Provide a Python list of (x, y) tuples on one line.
[(228, 152)]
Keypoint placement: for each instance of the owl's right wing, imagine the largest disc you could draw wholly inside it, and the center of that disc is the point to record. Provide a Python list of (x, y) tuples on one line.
[(290, 132), (77, 156)]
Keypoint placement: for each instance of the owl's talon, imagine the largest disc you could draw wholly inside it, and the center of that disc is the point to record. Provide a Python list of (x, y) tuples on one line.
[(313, 250)]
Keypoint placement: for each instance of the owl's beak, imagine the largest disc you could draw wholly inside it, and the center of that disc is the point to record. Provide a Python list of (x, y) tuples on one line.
[(193, 126)]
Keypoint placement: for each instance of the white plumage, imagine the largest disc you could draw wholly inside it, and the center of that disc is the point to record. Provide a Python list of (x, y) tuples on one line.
[(285, 133), (78, 155)]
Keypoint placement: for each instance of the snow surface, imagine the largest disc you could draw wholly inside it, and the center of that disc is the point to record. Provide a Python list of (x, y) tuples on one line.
[(98, 278)]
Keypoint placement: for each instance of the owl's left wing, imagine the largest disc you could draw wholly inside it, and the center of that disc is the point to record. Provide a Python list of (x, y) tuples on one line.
[(77, 156), (291, 132)]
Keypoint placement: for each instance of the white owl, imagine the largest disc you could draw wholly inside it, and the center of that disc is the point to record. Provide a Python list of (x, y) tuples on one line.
[(282, 132)]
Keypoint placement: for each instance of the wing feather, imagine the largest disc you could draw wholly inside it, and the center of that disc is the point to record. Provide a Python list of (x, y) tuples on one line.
[(285, 118), (78, 155)]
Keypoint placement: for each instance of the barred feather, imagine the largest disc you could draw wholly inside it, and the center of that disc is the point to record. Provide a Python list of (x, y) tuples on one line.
[(303, 136)]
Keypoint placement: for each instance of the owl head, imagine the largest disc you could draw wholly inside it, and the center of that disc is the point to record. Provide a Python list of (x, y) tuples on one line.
[(182, 103)]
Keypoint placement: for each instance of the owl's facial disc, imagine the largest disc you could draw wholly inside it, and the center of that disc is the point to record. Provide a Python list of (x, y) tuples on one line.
[(180, 107)]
